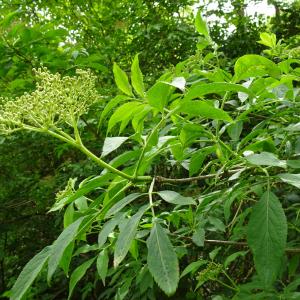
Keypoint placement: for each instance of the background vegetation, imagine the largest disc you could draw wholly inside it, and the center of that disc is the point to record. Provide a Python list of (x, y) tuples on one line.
[(66, 35)]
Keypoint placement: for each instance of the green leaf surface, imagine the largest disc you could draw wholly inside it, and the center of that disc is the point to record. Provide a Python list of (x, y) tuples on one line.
[(78, 273), (123, 158), (110, 105), (197, 91), (293, 127), (175, 198), (85, 249), (190, 132), (266, 159), (198, 158), (193, 267), (108, 228), (177, 82), (59, 246), (123, 113), (293, 179), (85, 188), (217, 223), (267, 235), (203, 109), (162, 260), (234, 130), (29, 273), (137, 77), (201, 25), (112, 143), (233, 257), (68, 215), (268, 39), (158, 95), (122, 203), (126, 236), (102, 264), (254, 65), (66, 258), (199, 236), (122, 80)]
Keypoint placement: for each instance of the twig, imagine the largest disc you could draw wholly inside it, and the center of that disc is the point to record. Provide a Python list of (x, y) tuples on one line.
[(189, 179), (244, 244)]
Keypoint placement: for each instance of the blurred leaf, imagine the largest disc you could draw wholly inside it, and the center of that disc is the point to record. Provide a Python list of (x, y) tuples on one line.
[(229, 259), (201, 108), (199, 236), (29, 273), (175, 198), (217, 223), (102, 264), (126, 236), (197, 91), (137, 77), (193, 267), (78, 273), (122, 203), (158, 95), (123, 114), (108, 228), (266, 159), (268, 39), (59, 246), (122, 80), (112, 143), (293, 179), (267, 235), (201, 25), (252, 65), (162, 260)]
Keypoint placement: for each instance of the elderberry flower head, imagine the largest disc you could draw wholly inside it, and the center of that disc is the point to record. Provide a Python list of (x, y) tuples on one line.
[(55, 100)]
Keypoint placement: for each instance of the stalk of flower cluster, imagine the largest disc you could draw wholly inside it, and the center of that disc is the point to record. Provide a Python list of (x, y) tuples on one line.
[(57, 100)]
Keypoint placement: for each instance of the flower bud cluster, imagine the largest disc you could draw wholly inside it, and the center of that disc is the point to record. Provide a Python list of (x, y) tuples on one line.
[(210, 272), (55, 100), (67, 191)]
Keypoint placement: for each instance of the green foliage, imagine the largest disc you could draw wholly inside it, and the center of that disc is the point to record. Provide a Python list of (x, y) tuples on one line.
[(29, 273), (141, 218), (201, 25), (267, 236), (162, 260), (60, 245), (181, 123), (78, 273), (122, 80)]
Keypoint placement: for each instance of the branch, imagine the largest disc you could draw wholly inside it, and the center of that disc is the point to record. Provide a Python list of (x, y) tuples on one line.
[(244, 244), (189, 179)]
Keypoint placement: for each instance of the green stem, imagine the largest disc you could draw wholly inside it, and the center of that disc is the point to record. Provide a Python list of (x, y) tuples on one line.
[(224, 284), (96, 159), (230, 279), (76, 131), (149, 137), (63, 138), (102, 163)]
